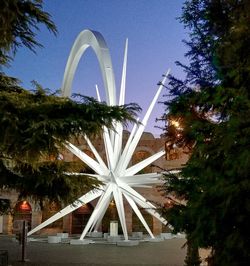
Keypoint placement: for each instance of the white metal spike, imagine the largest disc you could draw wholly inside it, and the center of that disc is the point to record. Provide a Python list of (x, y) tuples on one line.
[(101, 215), (141, 177), (150, 209), (125, 150), (102, 178), (124, 72), (70, 208), (118, 125), (108, 148), (139, 166), (85, 158), (98, 209), (97, 93), (118, 142), (120, 209), (138, 213), (96, 154), (141, 127), (101, 212)]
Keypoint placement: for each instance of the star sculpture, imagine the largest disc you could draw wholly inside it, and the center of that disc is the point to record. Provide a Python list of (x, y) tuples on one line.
[(118, 178)]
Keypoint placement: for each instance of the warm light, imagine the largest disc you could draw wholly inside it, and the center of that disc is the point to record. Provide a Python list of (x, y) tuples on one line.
[(24, 206), (175, 123)]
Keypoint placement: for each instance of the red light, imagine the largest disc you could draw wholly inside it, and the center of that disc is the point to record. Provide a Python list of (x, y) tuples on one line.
[(24, 206)]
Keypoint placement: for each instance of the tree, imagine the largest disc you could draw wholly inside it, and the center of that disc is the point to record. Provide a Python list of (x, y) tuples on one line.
[(34, 125), (33, 129), (214, 103), (19, 21)]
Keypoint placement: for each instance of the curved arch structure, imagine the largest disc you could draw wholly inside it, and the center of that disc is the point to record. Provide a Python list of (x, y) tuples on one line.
[(96, 41), (119, 180)]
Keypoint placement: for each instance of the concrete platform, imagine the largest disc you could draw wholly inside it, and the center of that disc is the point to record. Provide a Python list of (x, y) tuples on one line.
[(137, 235), (127, 243), (63, 235), (54, 239), (179, 235), (96, 234), (81, 242), (167, 235), (105, 235), (156, 239), (114, 239)]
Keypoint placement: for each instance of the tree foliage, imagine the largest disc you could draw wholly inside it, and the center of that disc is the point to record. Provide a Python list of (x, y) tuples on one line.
[(214, 103), (19, 21), (34, 125)]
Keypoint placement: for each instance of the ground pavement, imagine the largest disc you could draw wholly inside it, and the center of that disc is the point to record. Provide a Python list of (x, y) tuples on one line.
[(165, 253)]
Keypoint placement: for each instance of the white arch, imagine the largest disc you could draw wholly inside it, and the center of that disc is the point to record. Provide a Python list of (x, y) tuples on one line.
[(96, 41)]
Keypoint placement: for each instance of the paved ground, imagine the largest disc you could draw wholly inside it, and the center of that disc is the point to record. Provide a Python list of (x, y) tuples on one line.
[(166, 253)]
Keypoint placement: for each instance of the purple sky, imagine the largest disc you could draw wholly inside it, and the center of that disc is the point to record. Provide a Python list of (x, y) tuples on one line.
[(155, 43)]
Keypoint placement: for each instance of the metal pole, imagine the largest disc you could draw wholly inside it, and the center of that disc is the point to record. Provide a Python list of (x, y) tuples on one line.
[(24, 240)]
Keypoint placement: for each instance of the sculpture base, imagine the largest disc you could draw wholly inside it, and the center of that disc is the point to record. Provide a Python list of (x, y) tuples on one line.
[(54, 239), (127, 243), (96, 234), (63, 235), (154, 239), (114, 239), (80, 242), (167, 235), (137, 235)]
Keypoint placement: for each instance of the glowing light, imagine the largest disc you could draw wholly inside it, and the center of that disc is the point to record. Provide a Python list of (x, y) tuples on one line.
[(175, 123), (24, 206)]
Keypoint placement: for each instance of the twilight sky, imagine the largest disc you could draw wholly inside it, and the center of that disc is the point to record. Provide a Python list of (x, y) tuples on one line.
[(155, 43)]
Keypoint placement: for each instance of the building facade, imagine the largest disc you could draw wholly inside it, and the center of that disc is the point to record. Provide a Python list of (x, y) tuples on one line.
[(74, 222)]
